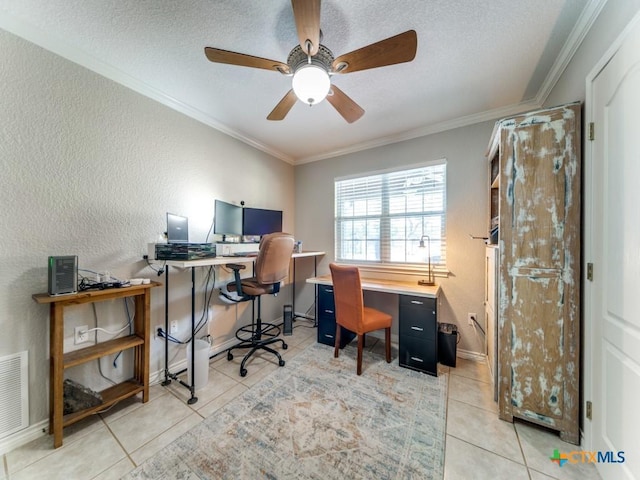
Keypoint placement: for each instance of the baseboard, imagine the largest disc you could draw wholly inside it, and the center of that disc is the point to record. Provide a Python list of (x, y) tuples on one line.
[(473, 356), (29, 434)]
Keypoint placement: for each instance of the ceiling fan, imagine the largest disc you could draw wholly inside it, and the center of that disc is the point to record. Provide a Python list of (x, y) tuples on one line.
[(312, 65)]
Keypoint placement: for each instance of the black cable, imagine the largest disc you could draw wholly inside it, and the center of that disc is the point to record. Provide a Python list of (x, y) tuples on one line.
[(150, 265), (208, 296), (210, 281), (86, 283), (481, 329), (206, 240), (162, 334)]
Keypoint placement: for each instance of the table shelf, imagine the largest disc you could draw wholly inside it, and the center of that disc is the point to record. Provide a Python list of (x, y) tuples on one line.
[(110, 396), (83, 355)]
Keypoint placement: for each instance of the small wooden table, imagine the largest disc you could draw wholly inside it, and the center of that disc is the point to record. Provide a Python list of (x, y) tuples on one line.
[(59, 361)]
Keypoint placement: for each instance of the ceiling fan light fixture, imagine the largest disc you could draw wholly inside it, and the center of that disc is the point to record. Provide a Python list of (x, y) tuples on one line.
[(311, 83)]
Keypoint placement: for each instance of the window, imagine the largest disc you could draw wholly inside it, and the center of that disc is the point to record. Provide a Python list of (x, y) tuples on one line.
[(380, 218)]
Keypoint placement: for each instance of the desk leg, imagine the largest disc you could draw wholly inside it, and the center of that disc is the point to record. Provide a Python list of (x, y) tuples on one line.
[(168, 375), (192, 387), (293, 292), (293, 289), (167, 381), (315, 299)]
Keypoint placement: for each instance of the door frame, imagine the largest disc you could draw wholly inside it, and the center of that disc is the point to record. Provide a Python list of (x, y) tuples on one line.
[(591, 328)]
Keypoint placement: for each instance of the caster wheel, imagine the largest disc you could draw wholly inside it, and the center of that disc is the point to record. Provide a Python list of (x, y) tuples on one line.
[(281, 363), (285, 346), (243, 372), (229, 356)]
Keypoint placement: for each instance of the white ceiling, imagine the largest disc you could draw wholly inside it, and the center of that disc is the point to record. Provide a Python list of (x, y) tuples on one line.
[(476, 60)]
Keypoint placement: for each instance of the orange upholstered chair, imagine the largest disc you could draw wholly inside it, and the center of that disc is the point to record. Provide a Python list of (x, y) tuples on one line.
[(351, 312)]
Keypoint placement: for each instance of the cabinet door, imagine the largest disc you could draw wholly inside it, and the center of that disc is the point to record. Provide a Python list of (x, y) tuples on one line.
[(539, 267), (327, 319), (418, 354), (326, 302), (418, 317)]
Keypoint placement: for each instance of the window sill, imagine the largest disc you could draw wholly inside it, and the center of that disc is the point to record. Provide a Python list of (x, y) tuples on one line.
[(368, 270)]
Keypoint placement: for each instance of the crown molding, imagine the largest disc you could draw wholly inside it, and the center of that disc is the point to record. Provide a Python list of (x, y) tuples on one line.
[(494, 114), (579, 31)]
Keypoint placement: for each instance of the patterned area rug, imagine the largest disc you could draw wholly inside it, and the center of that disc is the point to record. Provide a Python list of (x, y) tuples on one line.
[(316, 419)]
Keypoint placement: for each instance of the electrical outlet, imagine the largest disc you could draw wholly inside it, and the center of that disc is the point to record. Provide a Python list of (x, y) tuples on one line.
[(174, 327), (155, 331), (471, 318), (81, 334)]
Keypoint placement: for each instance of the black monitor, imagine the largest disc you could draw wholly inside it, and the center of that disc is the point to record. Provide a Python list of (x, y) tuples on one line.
[(227, 219), (258, 221), (177, 229)]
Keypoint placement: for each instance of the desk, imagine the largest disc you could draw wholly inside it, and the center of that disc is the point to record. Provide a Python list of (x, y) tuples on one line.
[(417, 317), (208, 262)]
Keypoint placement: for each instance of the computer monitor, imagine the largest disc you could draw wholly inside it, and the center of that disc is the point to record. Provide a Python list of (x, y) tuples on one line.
[(177, 229), (227, 219), (259, 221)]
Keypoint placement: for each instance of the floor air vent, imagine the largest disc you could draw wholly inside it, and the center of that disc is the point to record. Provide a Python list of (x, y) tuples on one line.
[(14, 394)]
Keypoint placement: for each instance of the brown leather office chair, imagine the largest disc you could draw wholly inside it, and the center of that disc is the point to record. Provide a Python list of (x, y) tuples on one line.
[(351, 312), (271, 267)]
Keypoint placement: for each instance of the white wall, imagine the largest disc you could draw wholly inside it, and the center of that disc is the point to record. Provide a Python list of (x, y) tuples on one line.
[(467, 211), (90, 168)]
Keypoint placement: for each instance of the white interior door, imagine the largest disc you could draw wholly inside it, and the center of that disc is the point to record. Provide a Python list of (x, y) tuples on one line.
[(613, 245)]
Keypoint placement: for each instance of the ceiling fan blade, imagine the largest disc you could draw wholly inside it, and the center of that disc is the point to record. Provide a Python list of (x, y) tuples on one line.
[(307, 16), (346, 107), (397, 49), (232, 58), (283, 106)]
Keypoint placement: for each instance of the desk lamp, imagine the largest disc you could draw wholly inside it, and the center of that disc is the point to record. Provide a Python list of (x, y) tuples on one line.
[(430, 280)]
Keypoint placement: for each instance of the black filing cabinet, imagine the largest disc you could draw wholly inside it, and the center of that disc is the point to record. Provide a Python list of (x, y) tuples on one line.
[(327, 319), (418, 333)]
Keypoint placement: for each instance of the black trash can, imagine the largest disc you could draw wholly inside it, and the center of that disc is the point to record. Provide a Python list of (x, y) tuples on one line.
[(447, 344)]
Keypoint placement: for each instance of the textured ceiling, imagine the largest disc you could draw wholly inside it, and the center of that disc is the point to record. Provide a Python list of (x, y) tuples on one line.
[(475, 60)]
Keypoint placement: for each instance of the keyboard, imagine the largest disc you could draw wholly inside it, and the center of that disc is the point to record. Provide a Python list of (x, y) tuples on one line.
[(244, 254)]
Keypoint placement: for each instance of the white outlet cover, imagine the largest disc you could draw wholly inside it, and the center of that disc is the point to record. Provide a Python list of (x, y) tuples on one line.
[(78, 337)]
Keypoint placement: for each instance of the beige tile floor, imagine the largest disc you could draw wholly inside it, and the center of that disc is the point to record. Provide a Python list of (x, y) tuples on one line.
[(107, 446)]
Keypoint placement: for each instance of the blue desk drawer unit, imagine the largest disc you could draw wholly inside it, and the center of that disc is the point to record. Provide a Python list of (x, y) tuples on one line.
[(327, 319), (418, 334)]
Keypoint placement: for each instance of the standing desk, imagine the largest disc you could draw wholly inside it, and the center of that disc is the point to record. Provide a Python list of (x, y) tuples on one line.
[(417, 319), (207, 262)]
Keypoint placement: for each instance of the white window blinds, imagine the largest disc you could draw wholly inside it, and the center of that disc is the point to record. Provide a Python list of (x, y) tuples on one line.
[(381, 218)]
